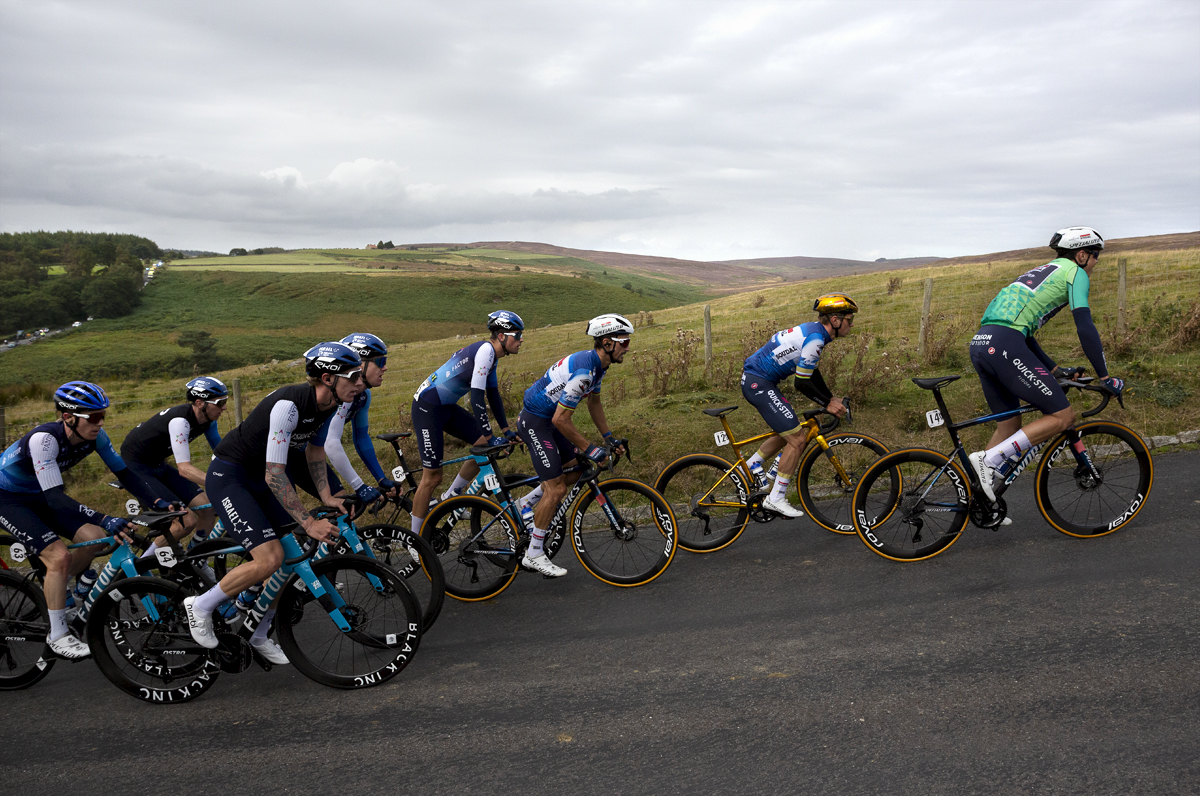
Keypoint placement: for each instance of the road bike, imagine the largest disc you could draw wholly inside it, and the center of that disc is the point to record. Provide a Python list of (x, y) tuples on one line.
[(1091, 480), (716, 499), (623, 532)]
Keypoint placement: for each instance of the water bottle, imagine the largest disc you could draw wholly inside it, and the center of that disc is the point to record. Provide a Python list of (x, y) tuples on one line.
[(774, 471), (245, 600), (229, 612), (87, 579), (199, 536)]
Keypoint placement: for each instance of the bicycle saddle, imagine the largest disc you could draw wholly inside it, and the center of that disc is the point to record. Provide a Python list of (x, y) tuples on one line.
[(486, 450), (394, 436), (720, 411), (935, 383)]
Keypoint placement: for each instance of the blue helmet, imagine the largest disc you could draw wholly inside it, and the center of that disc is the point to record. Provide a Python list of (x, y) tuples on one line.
[(368, 346), (80, 396), (331, 358), (206, 388), (505, 321)]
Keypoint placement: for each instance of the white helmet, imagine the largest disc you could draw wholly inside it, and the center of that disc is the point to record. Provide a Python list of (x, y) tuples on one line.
[(1077, 238), (609, 323)]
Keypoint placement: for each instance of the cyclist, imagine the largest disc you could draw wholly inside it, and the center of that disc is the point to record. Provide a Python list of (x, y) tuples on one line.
[(793, 351), (36, 510), (373, 353), (170, 432), (435, 407), (1012, 367), (248, 483), (546, 427)]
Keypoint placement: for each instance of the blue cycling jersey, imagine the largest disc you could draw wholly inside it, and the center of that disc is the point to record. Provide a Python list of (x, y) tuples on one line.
[(567, 382), (329, 436), (796, 350), (470, 367)]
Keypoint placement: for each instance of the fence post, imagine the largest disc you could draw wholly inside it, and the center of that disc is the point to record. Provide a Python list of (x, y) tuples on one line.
[(237, 400), (707, 342), (3, 430), (925, 315), (1121, 295)]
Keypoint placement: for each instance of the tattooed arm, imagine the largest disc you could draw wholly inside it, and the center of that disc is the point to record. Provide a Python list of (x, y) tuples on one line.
[(283, 422), (318, 469)]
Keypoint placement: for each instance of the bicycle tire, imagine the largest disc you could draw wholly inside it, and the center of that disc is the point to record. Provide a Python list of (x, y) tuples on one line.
[(151, 657), (892, 501), (637, 551), (385, 622), (478, 552), (823, 492), (25, 656), (408, 554), (688, 483), (1073, 503)]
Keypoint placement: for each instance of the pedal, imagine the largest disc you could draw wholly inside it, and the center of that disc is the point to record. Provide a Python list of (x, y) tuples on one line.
[(758, 512), (234, 653), (985, 515)]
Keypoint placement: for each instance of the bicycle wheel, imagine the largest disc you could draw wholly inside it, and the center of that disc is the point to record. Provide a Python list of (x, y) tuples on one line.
[(1075, 501), (911, 504), (827, 478), (25, 657), (708, 499), (476, 543), (384, 619), (414, 560), (139, 636), (631, 548), (15, 557)]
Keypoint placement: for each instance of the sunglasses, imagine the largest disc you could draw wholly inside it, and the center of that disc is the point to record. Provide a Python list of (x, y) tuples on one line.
[(354, 376), (218, 402), (621, 341), (379, 361), (95, 418), (515, 335)]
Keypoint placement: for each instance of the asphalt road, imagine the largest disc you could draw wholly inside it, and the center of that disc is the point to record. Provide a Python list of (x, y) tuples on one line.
[(795, 661)]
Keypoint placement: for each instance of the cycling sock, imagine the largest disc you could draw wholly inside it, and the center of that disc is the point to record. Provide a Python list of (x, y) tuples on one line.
[(416, 523), (149, 550), (535, 543), (207, 603), (58, 624), (264, 627), (459, 484), (1016, 445), (782, 482), (756, 460), (531, 500)]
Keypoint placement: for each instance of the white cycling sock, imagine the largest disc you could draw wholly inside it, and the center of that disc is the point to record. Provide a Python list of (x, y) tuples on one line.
[(779, 491), (149, 550), (207, 603), (416, 523), (459, 484), (58, 624), (1014, 447), (531, 500), (535, 543), (264, 627), (756, 459)]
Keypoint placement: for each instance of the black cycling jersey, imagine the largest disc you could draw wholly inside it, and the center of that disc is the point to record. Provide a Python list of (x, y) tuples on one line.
[(150, 442), (287, 418)]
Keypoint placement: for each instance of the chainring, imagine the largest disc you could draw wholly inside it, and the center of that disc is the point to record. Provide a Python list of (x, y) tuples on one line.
[(758, 512), (233, 652), (985, 515)]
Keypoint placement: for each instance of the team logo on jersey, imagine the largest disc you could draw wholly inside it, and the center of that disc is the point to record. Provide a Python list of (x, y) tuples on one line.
[(991, 350), (754, 386)]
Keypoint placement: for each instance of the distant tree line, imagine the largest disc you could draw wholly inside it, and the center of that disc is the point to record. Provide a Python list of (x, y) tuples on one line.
[(265, 250), (385, 245), (102, 276)]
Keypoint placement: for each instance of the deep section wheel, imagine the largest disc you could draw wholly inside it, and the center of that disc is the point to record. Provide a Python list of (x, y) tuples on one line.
[(627, 538), (413, 559), (911, 505), (827, 478), (25, 657), (475, 541), (707, 498)]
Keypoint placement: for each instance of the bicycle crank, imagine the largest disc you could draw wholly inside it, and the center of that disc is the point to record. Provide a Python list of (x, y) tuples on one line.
[(758, 512), (985, 515)]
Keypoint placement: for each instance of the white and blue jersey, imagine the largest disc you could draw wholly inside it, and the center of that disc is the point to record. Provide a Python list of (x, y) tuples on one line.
[(791, 351), (330, 436), (567, 382), (470, 370)]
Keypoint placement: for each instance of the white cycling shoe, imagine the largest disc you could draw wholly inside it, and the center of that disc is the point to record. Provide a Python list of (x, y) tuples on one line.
[(270, 650), (984, 472), (544, 565), (782, 508), (70, 648), (201, 626)]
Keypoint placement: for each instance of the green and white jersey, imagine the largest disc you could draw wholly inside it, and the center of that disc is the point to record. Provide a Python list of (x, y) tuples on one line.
[(1037, 295)]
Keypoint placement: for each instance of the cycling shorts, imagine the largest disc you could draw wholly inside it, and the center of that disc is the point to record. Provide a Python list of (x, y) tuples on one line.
[(301, 478), (431, 421), (1011, 374), (247, 507), (764, 396), (33, 523), (166, 482), (548, 448)]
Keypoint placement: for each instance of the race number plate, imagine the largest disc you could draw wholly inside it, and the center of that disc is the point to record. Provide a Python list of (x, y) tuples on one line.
[(398, 473), (722, 438), (132, 507), (934, 418), (165, 556), (16, 552), (491, 482)]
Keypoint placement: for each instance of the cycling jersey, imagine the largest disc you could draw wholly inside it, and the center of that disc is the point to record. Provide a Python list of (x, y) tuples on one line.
[(470, 370), (567, 382), (1037, 296), (168, 433), (287, 418), (330, 436), (796, 350)]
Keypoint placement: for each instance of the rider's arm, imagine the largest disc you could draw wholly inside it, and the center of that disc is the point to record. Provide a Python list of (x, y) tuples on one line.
[(43, 453), (596, 410), (496, 402), (137, 487), (566, 426), (284, 416), (485, 360), (1032, 343), (178, 431), (1089, 338), (333, 447), (813, 386), (212, 435), (362, 440)]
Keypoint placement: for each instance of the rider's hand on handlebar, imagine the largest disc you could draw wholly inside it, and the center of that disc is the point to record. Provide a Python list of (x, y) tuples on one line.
[(616, 448), (596, 453), (1067, 373), (389, 487), (1113, 385), (321, 530), (117, 526), (836, 407), (368, 494)]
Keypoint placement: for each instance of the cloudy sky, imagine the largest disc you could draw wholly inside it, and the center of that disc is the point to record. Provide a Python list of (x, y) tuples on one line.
[(706, 130)]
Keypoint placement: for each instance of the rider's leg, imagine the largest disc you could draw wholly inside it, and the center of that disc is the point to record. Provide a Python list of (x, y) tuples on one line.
[(793, 445), (552, 494), (1015, 445), (431, 477), (767, 450)]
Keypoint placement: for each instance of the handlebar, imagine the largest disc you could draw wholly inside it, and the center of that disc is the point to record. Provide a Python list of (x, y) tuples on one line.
[(1084, 383), (308, 546)]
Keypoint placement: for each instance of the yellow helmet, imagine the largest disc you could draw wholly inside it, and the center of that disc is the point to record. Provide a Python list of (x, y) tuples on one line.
[(835, 304)]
